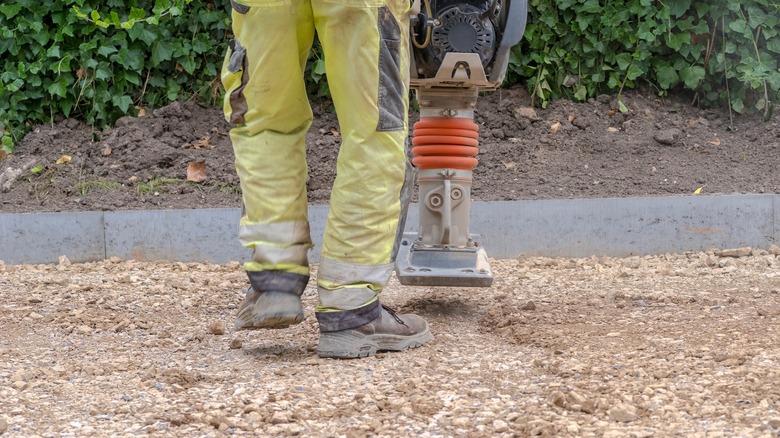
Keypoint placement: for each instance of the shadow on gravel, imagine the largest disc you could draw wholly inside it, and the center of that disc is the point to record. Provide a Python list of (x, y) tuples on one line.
[(288, 351), (441, 307)]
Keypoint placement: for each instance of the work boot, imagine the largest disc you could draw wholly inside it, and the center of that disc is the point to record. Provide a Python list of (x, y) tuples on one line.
[(388, 332), (271, 309)]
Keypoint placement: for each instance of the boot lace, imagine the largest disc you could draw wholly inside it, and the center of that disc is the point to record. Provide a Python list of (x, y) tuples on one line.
[(394, 315)]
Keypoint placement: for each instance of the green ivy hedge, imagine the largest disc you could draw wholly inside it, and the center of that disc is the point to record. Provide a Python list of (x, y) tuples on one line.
[(56, 63), (725, 52), (100, 60)]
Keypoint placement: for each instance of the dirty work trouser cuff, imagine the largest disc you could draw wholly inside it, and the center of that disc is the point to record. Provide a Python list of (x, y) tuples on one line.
[(348, 319), (278, 281)]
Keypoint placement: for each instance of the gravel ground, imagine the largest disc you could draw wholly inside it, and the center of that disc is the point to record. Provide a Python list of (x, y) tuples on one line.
[(679, 344)]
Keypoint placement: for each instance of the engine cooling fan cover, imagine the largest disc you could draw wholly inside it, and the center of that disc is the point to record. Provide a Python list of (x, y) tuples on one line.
[(460, 29)]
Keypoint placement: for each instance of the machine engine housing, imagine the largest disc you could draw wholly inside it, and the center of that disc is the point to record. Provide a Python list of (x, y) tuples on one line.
[(488, 28)]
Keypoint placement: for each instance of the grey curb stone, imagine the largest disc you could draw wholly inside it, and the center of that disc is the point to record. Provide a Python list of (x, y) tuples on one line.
[(553, 228)]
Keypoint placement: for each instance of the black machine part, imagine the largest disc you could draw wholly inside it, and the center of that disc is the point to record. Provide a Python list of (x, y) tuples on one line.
[(488, 28), (461, 29)]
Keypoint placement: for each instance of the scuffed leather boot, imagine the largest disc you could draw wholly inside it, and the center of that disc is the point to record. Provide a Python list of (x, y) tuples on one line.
[(388, 332), (272, 309)]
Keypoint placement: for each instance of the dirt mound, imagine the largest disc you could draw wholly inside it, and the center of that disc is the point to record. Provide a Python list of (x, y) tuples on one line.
[(139, 163), (658, 147)]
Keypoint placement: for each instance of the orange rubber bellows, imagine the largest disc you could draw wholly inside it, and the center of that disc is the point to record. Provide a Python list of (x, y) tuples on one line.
[(445, 143)]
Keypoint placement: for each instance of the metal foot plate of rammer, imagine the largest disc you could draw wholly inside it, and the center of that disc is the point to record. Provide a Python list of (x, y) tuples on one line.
[(419, 266)]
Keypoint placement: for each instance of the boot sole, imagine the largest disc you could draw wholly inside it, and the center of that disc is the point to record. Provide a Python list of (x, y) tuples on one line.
[(350, 344), (270, 322), (273, 311)]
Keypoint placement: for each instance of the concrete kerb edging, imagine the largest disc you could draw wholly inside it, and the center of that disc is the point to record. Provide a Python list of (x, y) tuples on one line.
[(553, 228)]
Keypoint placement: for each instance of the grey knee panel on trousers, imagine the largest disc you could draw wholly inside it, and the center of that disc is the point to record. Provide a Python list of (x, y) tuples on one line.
[(238, 7), (391, 83)]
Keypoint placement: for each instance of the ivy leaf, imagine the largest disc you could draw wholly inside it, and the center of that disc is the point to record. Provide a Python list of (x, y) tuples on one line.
[(15, 86), (203, 47), (88, 46), (738, 105), (142, 32), (592, 7), (678, 8), (634, 72), (739, 26), (645, 34), (103, 72), (157, 81), (623, 60), (773, 45), (122, 102), (137, 13), (114, 18), (133, 59), (63, 64), (160, 6), (8, 143), (189, 64), (59, 87), (581, 94), (106, 50), (162, 51), (173, 90), (76, 10), (692, 75), (41, 37), (11, 10), (53, 51), (317, 70), (667, 76), (676, 40), (66, 106), (756, 16)]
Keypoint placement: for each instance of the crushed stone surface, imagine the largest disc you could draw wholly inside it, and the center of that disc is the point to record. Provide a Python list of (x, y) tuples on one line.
[(669, 345)]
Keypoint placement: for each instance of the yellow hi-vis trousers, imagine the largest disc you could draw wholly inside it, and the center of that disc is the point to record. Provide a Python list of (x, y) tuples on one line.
[(365, 45)]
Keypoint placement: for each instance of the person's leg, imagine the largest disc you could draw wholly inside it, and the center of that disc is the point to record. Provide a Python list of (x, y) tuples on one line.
[(365, 43), (267, 103)]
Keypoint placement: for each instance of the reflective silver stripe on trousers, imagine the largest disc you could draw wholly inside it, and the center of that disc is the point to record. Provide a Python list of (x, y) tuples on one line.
[(296, 254), (346, 298), (277, 243), (339, 273), (334, 271), (289, 233)]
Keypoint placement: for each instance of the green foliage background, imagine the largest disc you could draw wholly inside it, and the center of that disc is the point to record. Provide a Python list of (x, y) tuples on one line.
[(55, 63), (101, 65), (725, 51)]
